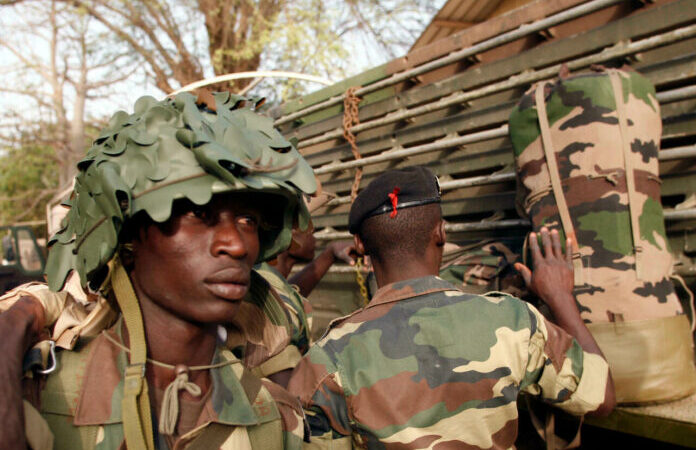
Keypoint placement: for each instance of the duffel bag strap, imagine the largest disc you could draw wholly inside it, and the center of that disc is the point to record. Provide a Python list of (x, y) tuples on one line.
[(556, 186), (547, 429), (615, 79), (690, 294)]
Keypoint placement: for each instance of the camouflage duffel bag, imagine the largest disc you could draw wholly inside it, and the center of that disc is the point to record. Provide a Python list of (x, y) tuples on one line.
[(586, 154)]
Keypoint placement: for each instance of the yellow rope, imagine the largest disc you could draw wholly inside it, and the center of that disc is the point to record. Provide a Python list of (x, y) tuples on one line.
[(361, 280)]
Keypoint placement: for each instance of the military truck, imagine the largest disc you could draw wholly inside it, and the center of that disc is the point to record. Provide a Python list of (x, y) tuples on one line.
[(22, 257), (446, 105)]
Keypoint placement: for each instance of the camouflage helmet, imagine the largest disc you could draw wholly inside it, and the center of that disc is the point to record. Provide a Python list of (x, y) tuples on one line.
[(168, 150)]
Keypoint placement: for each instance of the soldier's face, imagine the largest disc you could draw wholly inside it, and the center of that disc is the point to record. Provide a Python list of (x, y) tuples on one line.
[(197, 265)]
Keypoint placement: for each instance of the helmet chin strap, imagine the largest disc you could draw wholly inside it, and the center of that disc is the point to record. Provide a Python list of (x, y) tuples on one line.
[(135, 406)]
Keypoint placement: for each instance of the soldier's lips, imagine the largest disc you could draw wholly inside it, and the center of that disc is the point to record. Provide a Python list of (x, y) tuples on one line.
[(229, 284), (228, 291)]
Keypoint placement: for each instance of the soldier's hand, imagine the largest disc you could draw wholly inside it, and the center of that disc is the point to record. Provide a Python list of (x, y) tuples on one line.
[(344, 251), (24, 322), (552, 275), (20, 328)]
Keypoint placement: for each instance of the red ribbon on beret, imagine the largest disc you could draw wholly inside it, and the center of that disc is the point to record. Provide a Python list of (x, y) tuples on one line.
[(393, 196)]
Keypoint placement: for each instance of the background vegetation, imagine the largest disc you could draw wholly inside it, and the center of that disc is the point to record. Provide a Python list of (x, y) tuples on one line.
[(69, 64)]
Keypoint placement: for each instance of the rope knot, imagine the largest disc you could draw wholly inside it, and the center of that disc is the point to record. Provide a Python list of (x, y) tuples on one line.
[(170, 403)]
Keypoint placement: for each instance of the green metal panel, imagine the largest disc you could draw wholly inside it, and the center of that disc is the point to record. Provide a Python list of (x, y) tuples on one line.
[(640, 24), (361, 79)]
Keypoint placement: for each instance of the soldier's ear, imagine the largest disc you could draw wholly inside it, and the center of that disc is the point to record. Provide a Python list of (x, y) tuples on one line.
[(440, 234), (359, 246)]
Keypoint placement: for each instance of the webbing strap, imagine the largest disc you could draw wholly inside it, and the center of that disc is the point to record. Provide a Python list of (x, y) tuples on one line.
[(691, 300), (615, 79), (38, 434), (213, 436), (547, 430), (556, 186), (137, 421)]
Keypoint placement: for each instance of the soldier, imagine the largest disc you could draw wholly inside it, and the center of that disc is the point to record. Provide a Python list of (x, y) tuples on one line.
[(294, 291), (425, 365), (172, 206), (303, 250)]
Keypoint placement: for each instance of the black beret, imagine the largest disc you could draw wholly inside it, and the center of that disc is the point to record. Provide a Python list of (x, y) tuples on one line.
[(411, 186)]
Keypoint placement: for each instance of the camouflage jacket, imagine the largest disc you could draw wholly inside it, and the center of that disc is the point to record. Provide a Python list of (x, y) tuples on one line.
[(425, 365), (299, 307), (260, 333), (81, 403)]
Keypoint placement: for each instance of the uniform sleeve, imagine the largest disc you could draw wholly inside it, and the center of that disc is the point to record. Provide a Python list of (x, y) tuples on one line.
[(52, 302), (286, 359), (298, 318), (69, 313), (293, 429), (292, 417), (316, 382), (560, 372)]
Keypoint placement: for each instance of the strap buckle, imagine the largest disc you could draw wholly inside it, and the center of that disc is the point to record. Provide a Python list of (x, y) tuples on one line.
[(51, 358), (136, 369), (133, 378)]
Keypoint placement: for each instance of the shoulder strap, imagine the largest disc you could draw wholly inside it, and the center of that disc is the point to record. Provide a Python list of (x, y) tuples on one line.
[(39, 435), (137, 418), (213, 436), (556, 186), (615, 79)]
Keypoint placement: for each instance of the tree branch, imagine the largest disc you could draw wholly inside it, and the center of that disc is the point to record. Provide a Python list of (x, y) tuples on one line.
[(161, 78)]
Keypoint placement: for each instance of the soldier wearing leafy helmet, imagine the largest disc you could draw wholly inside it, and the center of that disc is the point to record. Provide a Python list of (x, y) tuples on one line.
[(172, 207)]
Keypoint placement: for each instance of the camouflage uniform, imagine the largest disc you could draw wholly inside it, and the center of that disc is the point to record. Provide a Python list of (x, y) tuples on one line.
[(425, 365), (587, 145), (297, 309), (82, 404), (141, 164), (262, 331), (298, 306)]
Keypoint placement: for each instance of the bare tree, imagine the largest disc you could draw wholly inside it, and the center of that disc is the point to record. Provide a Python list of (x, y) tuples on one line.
[(58, 69), (164, 34), (244, 35), (70, 56)]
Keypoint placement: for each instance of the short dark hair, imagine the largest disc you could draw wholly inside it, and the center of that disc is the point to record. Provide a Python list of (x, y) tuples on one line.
[(406, 235)]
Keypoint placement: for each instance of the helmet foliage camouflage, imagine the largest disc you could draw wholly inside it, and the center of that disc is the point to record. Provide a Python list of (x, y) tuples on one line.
[(167, 150)]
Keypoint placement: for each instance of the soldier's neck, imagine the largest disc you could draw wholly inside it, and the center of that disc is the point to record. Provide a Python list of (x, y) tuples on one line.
[(392, 270), (174, 341), (392, 273)]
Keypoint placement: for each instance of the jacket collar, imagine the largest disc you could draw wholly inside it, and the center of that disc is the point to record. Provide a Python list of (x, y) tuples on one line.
[(414, 287), (99, 401)]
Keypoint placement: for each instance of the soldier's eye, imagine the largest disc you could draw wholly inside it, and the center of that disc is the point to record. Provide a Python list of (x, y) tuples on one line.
[(249, 222), (200, 212)]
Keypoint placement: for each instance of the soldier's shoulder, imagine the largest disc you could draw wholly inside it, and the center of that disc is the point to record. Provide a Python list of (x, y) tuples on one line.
[(504, 298), (340, 322), (61, 392), (508, 302)]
